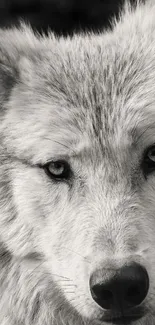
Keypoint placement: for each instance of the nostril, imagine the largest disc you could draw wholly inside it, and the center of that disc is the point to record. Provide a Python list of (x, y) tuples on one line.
[(137, 286), (97, 294), (108, 296), (133, 294), (127, 288)]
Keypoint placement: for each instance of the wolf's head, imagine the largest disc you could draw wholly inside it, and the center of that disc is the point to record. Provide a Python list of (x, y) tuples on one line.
[(77, 163)]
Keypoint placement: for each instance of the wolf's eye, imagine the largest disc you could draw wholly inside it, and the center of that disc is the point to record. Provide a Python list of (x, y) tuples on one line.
[(58, 170), (149, 161)]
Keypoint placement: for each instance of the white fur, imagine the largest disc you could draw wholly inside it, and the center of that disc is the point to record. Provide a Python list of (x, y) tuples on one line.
[(89, 99)]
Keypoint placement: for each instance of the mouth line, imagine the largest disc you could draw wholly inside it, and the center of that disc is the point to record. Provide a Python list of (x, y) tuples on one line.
[(123, 320)]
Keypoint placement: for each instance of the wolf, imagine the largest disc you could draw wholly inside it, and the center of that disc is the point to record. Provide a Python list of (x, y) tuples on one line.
[(77, 174)]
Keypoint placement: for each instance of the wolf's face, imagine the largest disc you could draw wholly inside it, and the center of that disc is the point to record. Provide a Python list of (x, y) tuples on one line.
[(78, 171)]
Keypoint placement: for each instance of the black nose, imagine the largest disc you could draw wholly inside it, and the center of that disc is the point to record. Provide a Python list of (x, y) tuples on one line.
[(127, 288)]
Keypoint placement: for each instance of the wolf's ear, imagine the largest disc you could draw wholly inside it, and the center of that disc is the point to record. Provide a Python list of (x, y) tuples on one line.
[(8, 78), (8, 68), (14, 44)]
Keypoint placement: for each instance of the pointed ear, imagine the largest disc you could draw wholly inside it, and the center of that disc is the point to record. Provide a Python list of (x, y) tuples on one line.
[(8, 79), (8, 68), (15, 44)]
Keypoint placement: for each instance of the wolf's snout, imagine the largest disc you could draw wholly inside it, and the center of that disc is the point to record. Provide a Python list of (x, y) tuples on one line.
[(125, 289)]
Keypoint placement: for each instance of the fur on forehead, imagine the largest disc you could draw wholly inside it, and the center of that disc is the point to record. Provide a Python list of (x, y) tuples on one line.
[(83, 67), (18, 44)]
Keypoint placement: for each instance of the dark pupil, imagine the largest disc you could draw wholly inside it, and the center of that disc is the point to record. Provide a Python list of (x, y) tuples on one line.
[(152, 153), (57, 165)]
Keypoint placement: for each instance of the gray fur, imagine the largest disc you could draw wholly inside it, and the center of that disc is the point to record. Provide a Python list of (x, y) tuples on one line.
[(91, 100)]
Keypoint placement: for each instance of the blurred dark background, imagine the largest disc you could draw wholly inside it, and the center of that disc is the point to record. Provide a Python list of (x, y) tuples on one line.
[(62, 16)]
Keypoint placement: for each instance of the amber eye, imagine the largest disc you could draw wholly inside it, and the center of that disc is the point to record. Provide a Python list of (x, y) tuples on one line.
[(149, 161), (58, 170)]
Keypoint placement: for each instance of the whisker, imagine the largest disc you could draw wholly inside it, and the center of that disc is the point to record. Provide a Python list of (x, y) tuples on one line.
[(60, 276), (37, 267), (62, 144), (63, 280), (79, 304), (76, 254), (69, 285)]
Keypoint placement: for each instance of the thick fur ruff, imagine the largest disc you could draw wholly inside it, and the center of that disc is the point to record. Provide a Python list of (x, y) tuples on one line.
[(90, 100)]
